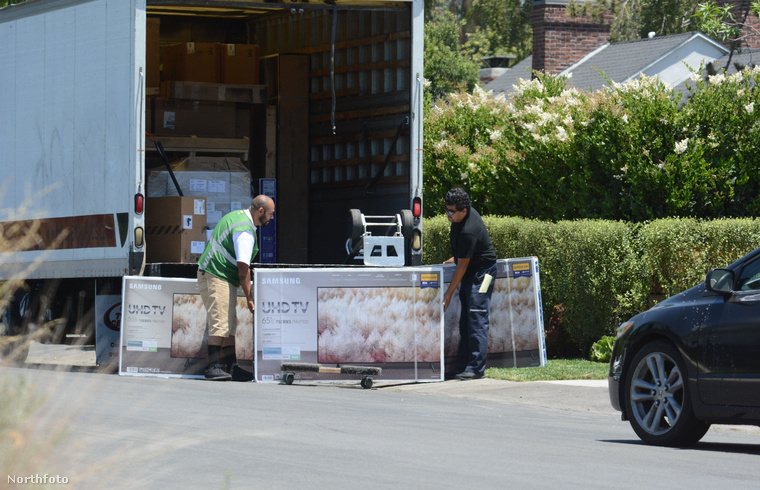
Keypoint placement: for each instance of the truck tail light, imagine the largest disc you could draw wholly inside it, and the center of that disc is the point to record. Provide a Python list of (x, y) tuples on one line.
[(139, 237), (139, 203), (417, 207)]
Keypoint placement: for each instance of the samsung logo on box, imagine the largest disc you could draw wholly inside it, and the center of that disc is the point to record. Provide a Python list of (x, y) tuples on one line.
[(145, 286), (280, 280)]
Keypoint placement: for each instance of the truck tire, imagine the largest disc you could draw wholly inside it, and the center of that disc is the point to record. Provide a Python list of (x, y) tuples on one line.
[(14, 338)]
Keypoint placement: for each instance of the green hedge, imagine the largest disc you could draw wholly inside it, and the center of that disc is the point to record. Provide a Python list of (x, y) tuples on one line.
[(602, 272)]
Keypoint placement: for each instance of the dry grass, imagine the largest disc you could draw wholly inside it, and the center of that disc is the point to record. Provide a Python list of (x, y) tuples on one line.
[(29, 431)]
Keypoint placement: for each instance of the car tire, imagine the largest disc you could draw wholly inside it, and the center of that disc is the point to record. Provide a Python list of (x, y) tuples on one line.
[(657, 398)]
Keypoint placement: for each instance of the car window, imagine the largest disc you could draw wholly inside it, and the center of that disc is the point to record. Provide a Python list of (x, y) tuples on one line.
[(749, 279)]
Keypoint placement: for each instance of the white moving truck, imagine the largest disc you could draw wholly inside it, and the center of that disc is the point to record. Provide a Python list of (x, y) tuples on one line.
[(336, 126)]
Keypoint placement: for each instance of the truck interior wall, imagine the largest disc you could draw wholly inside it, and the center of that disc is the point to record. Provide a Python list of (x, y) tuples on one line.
[(359, 102), (330, 212), (355, 131)]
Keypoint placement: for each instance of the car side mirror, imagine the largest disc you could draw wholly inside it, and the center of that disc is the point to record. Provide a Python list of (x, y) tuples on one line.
[(720, 281)]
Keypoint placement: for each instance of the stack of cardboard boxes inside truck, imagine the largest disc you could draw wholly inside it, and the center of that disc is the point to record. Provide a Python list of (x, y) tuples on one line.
[(199, 104)]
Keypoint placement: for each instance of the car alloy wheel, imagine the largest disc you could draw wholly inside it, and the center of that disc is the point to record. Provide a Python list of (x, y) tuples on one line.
[(657, 398)]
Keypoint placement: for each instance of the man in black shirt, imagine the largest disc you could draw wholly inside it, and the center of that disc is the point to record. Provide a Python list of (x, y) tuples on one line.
[(475, 258)]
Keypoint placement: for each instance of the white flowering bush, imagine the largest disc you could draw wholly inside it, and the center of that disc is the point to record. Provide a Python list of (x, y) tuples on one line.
[(627, 152), (723, 133)]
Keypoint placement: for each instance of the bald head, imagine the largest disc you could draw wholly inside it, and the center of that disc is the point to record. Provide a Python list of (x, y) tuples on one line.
[(262, 210)]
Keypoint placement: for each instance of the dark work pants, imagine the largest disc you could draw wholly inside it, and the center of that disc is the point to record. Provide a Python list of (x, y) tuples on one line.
[(474, 322)]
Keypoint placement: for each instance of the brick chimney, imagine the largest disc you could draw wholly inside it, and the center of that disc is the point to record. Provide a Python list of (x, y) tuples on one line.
[(560, 40), (742, 14)]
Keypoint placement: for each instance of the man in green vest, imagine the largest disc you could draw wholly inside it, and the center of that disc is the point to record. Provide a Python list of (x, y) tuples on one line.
[(224, 266)]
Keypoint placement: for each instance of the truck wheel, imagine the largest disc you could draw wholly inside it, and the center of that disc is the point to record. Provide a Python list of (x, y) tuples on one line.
[(657, 398), (14, 334), (13, 350)]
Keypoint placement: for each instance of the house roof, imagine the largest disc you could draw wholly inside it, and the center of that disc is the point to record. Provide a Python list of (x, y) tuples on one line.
[(747, 57), (504, 83), (661, 56), (665, 56), (730, 63)]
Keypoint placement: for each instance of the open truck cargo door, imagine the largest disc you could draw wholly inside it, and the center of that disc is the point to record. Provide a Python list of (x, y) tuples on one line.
[(72, 73)]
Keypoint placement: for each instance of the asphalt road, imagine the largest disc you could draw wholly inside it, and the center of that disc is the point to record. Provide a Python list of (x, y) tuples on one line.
[(105, 431)]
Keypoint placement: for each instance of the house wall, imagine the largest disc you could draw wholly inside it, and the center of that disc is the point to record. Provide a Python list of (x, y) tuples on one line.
[(560, 40)]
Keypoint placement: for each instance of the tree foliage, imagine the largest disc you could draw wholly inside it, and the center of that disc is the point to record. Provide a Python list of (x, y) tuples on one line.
[(719, 22), (635, 19), (487, 27), (504, 24), (447, 66)]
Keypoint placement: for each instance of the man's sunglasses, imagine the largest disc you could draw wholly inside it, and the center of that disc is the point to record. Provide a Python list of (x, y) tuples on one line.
[(450, 212)]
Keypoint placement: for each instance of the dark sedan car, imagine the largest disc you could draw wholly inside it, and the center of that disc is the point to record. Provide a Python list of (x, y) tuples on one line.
[(692, 360)]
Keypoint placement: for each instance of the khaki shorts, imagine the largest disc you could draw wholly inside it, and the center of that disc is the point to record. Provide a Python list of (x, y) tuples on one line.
[(220, 299)]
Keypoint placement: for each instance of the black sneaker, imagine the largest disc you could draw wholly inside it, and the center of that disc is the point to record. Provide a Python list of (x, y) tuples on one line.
[(468, 375), (216, 372), (240, 374)]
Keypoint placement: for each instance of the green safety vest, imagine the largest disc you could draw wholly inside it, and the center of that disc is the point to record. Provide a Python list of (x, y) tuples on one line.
[(218, 257)]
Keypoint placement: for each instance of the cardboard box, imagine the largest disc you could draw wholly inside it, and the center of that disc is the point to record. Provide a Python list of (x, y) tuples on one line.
[(192, 62), (224, 181), (171, 117), (152, 54), (247, 94), (175, 229), (239, 64)]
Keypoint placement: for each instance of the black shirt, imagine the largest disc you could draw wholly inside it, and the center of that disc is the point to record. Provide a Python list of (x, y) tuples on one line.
[(470, 240)]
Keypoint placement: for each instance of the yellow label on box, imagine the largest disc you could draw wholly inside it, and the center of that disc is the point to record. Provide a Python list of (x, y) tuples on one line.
[(428, 281), (521, 269)]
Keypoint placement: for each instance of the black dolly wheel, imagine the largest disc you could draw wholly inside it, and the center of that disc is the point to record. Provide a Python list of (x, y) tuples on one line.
[(355, 225), (366, 383), (289, 377)]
